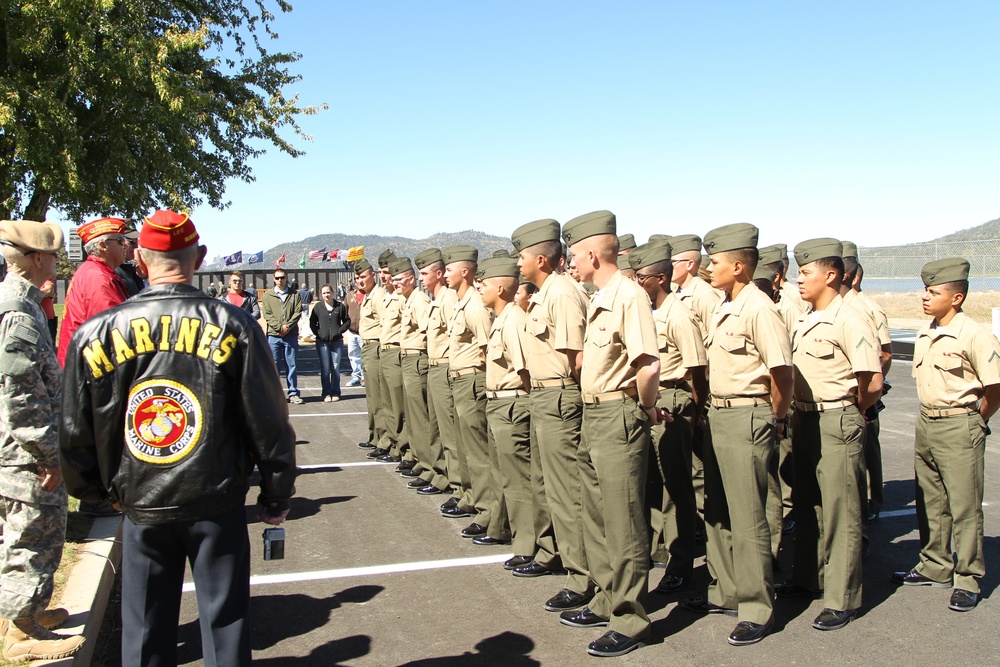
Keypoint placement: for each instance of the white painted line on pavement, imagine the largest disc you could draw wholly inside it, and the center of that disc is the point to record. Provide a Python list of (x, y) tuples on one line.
[(330, 414), (353, 464), (368, 571)]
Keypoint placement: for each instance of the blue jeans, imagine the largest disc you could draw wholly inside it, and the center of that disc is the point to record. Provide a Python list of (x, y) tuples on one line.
[(329, 365), (286, 349)]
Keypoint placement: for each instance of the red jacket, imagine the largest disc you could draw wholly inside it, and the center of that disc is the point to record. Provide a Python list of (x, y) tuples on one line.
[(95, 288)]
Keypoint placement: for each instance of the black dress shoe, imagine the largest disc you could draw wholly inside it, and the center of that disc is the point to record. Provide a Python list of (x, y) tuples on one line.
[(416, 484), (429, 490), (455, 512), (567, 599), (613, 644), (473, 530), (409, 473), (377, 452), (790, 589), (388, 458), (832, 619), (582, 618), (534, 569), (487, 541), (963, 600), (517, 561), (703, 606), (747, 632), (670, 583), (914, 578), (366, 445), (405, 465), (448, 504)]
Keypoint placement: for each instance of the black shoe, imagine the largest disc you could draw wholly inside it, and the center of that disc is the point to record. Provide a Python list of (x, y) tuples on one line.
[(914, 578), (429, 490), (582, 618), (487, 541), (517, 561), (963, 600), (787, 525), (388, 458), (567, 599), (377, 452), (366, 445), (455, 512), (448, 504), (416, 484), (670, 583), (747, 632), (703, 606), (790, 589), (103, 508), (613, 644), (405, 465), (534, 569), (409, 473), (832, 619), (473, 530)]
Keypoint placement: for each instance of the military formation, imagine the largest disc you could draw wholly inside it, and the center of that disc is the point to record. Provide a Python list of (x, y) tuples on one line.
[(603, 407)]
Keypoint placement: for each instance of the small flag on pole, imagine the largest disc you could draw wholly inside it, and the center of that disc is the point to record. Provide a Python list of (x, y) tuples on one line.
[(280, 260), (257, 258), (235, 258)]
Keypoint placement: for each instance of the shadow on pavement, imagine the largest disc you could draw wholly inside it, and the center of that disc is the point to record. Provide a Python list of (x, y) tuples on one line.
[(327, 655), (508, 649)]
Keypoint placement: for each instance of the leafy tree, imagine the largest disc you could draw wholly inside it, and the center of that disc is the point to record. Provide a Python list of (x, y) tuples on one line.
[(121, 106)]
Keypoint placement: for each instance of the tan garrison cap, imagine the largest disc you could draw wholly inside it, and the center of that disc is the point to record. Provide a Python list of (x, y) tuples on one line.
[(705, 260), (387, 256), (813, 249), (685, 243), (662, 238), (947, 270), (498, 267), (427, 257), (535, 232), (649, 253), (850, 250), (30, 235), (772, 253), (626, 242), (399, 265), (763, 272), (501, 253), (783, 249), (361, 266), (623, 264), (591, 224), (460, 253), (737, 236)]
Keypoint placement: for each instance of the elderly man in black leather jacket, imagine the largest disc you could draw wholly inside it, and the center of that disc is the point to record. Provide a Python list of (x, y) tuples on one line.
[(170, 400)]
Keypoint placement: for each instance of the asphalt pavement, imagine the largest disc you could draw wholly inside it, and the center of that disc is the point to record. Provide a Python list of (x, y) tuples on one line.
[(374, 575)]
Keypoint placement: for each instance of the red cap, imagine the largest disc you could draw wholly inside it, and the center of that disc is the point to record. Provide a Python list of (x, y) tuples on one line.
[(91, 230), (167, 230)]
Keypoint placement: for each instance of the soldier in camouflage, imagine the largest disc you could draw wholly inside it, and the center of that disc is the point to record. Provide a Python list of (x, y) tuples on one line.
[(33, 500)]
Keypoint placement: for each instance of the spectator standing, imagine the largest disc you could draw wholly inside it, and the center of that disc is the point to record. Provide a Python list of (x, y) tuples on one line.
[(282, 309), (306, 297), (241, 298), (127, 271), (352, 337), (329, 321), (49, 308)]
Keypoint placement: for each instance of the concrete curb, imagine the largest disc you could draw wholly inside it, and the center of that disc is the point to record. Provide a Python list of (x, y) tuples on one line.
[(90, 583)]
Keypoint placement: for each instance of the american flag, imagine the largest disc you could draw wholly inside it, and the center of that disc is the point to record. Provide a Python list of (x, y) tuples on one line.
[(317, 254)]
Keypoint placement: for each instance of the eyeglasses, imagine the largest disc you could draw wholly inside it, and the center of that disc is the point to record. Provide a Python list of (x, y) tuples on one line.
[(643, 277), (120, 239), (235, 280)]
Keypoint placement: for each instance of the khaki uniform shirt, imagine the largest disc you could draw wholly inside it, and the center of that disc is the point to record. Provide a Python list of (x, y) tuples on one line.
[(701, 298), (879, 315), (828, 348), (952, 365), (470, 332), (392, 317), (442, 309), (370, 327), (413, 322), (790, 293), (620, 329), (791, 308), (746, 339), (680, 340), (854, 301), (504, 356), (554, 322)]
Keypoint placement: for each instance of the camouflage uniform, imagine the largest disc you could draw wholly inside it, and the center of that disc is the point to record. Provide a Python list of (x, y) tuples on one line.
[(33, 519)]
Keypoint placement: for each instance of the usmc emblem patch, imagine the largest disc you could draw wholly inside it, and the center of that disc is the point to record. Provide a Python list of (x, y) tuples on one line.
[(163, 421)]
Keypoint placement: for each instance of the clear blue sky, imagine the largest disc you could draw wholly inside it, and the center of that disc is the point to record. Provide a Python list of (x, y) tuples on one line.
[(872, 121)]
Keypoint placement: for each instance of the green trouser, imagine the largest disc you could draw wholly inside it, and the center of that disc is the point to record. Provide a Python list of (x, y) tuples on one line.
[(510, 425), (469, 393), (418, 426), (786, 470), (948, 460), (376, 423), (698, 445), (873, 463), (738, 456), (669, 491), (829, 470), (440, 413), (394, 402), (556, 417), (773, 505), (614, 451)]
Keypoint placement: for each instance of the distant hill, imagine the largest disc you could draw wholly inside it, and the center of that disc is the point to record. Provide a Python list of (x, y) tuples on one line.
[(986, 231)]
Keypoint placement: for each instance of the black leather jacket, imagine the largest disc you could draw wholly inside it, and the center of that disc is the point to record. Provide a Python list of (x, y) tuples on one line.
[(169, 401)]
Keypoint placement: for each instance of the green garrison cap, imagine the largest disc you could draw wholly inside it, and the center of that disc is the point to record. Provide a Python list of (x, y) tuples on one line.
[(590, 224), (535, 232), (762, 271), (623, 263), (850, 250), (947, 270), (649, 253), (387, 255), (772, 253), (626, 242), (400, 265), (498, 267), (663, 238), (737, 236), (32, 236), (460, 253), (427, 257), (813, 249), (705, 260), (361, 266), (685, 243), (501, 253)]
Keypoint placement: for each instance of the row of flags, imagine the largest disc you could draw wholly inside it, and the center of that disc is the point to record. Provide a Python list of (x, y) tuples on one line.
[(323, 255)]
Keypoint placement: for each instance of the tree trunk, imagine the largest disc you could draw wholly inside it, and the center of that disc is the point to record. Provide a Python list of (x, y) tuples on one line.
[(38, 206)]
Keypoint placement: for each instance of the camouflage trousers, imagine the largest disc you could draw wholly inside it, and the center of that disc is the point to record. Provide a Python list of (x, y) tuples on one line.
[(33, 523)]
